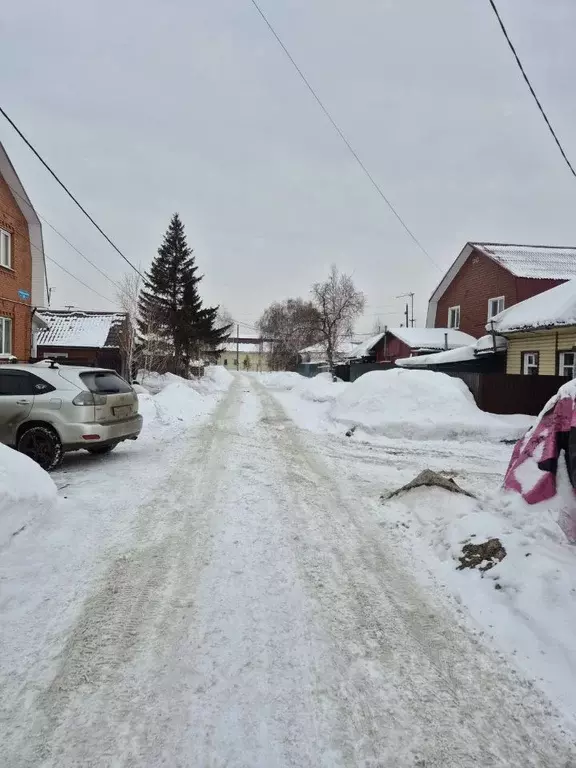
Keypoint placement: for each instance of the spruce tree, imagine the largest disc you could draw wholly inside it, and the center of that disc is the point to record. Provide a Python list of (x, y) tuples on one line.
[(170, 307)]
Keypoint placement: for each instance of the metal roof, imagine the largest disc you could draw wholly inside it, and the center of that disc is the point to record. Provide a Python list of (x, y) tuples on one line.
[(536, 261), (76, 328)]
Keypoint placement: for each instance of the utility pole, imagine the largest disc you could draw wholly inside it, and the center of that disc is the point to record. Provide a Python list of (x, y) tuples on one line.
[(406, 315), (411, 297), (237, 347)]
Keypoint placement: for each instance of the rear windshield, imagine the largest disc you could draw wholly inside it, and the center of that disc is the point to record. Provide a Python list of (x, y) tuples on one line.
[(105, 382)]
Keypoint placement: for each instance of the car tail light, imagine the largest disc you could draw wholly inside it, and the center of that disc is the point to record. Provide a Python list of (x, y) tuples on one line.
[(89, 398)]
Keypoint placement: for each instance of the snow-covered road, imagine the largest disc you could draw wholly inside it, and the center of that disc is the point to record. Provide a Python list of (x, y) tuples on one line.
[(259, 617)]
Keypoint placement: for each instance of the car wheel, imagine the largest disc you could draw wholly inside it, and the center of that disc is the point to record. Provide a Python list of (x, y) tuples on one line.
[(100, 450), (42, 445)]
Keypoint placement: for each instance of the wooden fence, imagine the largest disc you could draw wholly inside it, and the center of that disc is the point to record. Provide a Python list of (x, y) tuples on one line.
[(505, 393)]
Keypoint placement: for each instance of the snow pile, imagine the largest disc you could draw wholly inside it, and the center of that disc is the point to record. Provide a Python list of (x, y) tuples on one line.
[(525, 603), (169, 402), (320, 389), (25, 490), (218, 377), (180, 402), (283, 380), (417, 405)]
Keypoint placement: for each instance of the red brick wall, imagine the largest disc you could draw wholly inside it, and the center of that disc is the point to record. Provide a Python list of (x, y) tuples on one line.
[(478, 280), (17, 278), (528, 286)]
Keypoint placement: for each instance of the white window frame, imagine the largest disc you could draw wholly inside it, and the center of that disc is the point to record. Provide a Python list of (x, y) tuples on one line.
[(562, 365), (5, 249), (527, 365), (456, 311), (498, 309), (6, 326)]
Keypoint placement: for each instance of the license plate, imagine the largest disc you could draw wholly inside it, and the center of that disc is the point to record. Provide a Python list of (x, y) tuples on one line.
[(122, 411)]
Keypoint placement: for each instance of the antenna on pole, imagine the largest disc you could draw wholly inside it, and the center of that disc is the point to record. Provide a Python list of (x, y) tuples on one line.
[(411, 297)]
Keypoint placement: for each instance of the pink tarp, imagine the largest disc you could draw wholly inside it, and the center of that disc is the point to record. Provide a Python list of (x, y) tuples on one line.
[(532, 471)]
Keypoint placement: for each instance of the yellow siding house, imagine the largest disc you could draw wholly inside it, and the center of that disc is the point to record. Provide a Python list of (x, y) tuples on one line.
[(541, 333)]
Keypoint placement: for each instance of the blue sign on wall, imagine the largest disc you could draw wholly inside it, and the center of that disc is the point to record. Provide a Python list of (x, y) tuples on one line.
[(23, 294)]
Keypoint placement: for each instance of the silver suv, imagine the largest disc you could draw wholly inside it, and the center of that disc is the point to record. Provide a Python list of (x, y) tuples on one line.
[(47, 409)]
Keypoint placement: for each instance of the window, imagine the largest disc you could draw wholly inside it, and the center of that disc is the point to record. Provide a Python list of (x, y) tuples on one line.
[(530, 363), (5, 336), (5, 248), (567, 364), (106, 383), (454, 318), (495, 306), (22, 383), (225, 361)]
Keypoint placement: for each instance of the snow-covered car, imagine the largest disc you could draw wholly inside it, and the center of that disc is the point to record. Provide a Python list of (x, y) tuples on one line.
[(543, 463), (47, 409)]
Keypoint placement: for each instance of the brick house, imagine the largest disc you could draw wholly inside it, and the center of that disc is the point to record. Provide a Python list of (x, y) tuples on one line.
[(79, 337), (486, 278), (22, 266)]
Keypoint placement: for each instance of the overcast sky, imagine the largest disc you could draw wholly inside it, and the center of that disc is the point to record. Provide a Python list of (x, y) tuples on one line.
[(146, 108)]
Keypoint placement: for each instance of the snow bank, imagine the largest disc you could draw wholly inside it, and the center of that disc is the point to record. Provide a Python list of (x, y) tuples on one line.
[(25, 489), (320, 389), (417, 405), (525, 604), (171, 403), (284, 380), (180, 402)]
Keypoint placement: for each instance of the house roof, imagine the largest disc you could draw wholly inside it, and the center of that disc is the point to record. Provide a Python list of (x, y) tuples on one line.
[(532, 261), (418, 338), (317, 352), (39, 280), (457, 355), (78, 328), (552, 308), (535, 261), (482, 346)]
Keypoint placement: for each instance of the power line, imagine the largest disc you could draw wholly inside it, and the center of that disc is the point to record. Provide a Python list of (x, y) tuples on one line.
[(78, 251), (532, 91), (78, 280), (340, 133), (65, 188), (71, 274)]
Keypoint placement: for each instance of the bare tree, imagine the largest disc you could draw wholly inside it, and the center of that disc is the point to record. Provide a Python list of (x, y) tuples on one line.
[(338, 304), (128, 291), (223, 318), (288, 326)]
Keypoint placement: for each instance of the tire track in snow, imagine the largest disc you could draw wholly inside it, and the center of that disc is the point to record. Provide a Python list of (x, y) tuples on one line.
[(262, 622), (118, 619), (417, 683)]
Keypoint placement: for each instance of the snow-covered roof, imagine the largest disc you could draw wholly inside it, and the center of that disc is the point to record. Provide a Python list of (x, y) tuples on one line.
[(77, 328), (486, 344), (537, 261), (482, 346), (316, 353), (432, 338), (555, 307), (365, 348), (460, 354)]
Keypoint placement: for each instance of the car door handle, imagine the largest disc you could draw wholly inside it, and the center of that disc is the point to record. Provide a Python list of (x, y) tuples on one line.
[(22, 402)]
